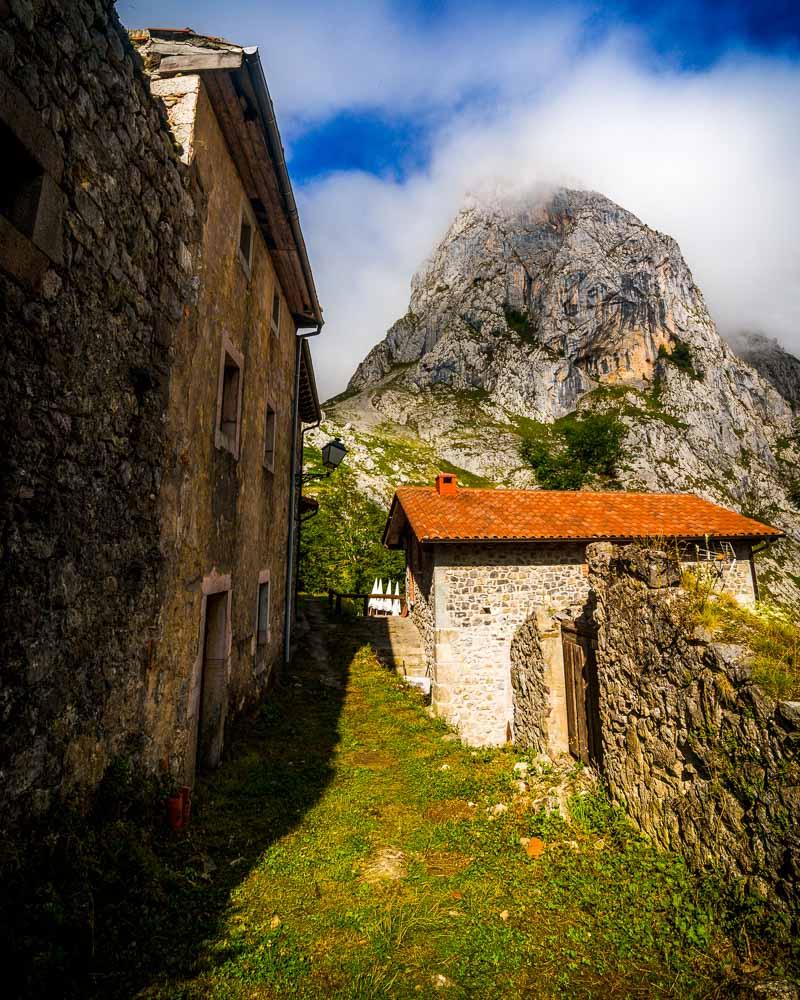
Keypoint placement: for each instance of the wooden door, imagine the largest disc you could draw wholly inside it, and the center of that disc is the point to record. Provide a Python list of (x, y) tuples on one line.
[(582, 689), (214, 685)]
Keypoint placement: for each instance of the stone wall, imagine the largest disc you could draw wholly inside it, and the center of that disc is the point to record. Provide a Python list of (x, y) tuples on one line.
[(702, 760), (419, 583), (530, 690), (92, 302), (483, 594), (734, 576)]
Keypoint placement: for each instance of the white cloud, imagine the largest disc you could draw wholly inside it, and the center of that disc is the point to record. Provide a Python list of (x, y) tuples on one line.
[(711, 158), (362, 54)]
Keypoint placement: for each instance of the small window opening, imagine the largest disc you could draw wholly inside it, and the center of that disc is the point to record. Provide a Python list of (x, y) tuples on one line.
[(230, 398), (22, 183), (269, 438), (246, 240), (276, 311), (263, 614)]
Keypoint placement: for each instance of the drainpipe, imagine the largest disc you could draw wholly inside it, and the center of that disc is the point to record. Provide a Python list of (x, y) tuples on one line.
[(293, 497)]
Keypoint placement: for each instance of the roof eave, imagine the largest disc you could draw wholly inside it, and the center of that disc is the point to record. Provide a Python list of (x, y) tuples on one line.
[(215, 59), (269, 122), (310, 410), (437, 540), (396, 509)]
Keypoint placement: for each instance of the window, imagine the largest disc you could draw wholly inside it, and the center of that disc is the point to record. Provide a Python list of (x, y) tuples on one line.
[(276, 312), (246, 234), (269, 438), (229, 399), (31, 201), (262, 612), (22, 183)]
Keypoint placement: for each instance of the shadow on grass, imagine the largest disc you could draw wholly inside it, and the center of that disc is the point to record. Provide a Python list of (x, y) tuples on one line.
[(110, 907)]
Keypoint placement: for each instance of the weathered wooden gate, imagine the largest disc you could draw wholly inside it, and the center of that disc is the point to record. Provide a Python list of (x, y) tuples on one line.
[(582, 689)]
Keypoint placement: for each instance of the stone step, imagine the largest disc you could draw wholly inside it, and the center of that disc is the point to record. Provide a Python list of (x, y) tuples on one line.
[(396, 641)]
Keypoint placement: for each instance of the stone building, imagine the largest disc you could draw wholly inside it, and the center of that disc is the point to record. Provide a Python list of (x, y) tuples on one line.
[(153, 280), (498, 585)]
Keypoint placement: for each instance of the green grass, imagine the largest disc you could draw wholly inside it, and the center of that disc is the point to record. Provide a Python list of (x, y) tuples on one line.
[(629, 401), (770, 634), (345, 848)]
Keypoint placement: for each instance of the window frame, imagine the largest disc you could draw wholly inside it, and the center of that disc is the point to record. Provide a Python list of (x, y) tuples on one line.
[(246, 216), (268, 458), (275, 322), (222, 440), (263, 636), (28, 249)]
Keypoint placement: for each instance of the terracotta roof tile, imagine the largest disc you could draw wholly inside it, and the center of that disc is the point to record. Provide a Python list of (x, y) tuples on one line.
[(534, 515)]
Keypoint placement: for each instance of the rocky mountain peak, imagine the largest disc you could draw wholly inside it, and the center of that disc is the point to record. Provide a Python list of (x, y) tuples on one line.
[(558, 306), (566, 279)]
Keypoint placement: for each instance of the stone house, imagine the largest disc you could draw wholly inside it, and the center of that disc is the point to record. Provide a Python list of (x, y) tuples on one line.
[(153, 285), (498, 586)]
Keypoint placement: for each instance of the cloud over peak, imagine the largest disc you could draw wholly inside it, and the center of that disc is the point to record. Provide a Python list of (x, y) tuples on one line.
[(710, 157)]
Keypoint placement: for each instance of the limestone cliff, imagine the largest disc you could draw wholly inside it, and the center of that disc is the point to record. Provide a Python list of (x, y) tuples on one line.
[(534, 308), (780, 368)]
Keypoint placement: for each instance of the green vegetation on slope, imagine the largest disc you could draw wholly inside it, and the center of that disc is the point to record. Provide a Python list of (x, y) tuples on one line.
[(567, 453), (681, 358), (771, 634), (340, 547), (520, 323)]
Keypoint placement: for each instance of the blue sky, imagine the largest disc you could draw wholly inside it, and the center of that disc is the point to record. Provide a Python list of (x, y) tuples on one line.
[(686, 113)]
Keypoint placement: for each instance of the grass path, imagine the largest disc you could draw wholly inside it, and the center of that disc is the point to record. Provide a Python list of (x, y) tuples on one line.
[(351, 847)]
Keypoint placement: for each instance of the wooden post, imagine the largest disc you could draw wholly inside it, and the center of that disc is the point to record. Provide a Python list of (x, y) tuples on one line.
[(338, 605)]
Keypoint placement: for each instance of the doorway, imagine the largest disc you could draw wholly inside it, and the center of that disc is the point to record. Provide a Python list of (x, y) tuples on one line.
[(582, 694), (213, 682)]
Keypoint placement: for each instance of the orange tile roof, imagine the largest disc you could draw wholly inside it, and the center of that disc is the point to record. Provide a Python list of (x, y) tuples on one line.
[(539, 515)]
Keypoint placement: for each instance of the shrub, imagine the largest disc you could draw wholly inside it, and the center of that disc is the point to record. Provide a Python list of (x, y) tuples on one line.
[(681, 358), (575, 448), (520, 323)]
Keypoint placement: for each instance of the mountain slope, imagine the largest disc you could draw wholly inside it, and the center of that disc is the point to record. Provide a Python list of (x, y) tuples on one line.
[(533, 317), (780, 368)]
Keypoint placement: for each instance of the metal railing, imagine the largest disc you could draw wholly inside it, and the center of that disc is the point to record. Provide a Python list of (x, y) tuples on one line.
[(335, 603)]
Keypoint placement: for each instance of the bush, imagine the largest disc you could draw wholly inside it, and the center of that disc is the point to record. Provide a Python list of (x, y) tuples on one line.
[(340, 547), (520, 323), (681, 358), (575, 448)]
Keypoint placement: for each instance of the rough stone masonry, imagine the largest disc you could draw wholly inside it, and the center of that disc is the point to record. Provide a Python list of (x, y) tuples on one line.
[(93, 288), (701, 758)]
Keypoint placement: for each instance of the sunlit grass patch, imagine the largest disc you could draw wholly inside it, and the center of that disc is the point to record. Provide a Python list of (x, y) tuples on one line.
[(770, 634), (336, 854)]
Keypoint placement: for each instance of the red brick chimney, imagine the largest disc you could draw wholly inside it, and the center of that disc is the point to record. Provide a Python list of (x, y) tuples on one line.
[(446, 484)]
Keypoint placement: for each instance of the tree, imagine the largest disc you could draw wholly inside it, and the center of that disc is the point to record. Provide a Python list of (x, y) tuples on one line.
[(340, 547)]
